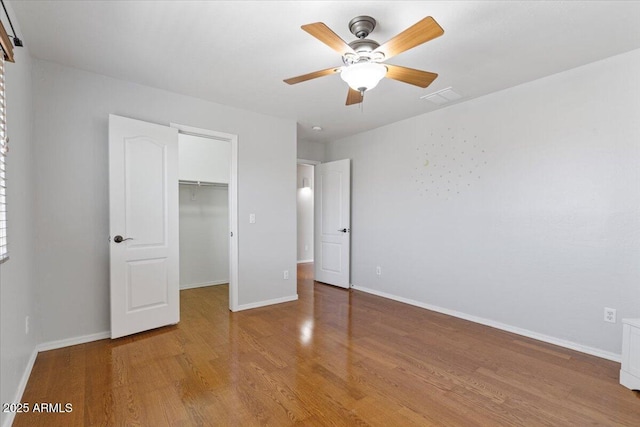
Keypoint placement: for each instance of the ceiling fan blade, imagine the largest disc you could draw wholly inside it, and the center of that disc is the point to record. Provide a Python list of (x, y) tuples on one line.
[(410, 75), (314, 75), (420, 32), (354, 97), (328, 37)]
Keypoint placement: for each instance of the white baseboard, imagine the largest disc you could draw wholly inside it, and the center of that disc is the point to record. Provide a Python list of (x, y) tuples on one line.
[(487, 322), (52, 345), (304, 261), (21, 386), (267, 302), (202, 285)]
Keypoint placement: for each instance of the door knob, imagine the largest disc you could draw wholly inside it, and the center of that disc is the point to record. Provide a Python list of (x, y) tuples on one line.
[(344, 230), (120, 239)]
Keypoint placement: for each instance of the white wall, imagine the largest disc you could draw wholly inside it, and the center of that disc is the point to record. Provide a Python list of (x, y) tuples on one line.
[(309, 150), (204, 235), (203, 159), (305, 214), (71, 108), (521, 207), (17, 279)]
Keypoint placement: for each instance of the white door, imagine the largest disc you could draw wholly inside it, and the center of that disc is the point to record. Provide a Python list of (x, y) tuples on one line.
[(332, 229), (143, 225)]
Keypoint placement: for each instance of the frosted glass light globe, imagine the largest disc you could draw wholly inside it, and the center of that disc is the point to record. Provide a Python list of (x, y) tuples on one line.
[(363, 76)]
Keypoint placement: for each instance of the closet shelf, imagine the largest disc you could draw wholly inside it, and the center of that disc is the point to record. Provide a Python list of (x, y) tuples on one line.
[(203, 183)]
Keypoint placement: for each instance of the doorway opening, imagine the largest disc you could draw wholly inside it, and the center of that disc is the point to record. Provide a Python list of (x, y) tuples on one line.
[(305, 210), (208, 209)]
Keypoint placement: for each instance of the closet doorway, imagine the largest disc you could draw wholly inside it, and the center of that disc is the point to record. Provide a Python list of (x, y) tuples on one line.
[(208, 209)]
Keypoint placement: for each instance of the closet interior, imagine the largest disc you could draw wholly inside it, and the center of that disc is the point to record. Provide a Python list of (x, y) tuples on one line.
[(204, 210)]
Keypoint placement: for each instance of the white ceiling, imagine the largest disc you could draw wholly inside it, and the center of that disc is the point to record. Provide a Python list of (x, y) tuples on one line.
[(238, 52)]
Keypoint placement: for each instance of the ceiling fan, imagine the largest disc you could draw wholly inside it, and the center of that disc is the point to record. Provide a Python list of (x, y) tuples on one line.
[(363, 58)]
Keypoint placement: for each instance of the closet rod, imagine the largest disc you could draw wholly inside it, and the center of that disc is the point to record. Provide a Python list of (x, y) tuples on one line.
[(203, 183)]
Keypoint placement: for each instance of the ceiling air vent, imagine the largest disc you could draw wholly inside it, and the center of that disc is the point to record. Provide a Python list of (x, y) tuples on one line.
[(443, 96)]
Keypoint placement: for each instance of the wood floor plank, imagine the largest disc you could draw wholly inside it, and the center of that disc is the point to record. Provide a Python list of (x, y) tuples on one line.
[(335, 357)]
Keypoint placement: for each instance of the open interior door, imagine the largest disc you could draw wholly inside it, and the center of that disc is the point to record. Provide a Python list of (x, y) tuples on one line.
[(332, 229), (143, 216)]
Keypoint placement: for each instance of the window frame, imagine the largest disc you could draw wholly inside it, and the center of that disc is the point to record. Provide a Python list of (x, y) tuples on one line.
[(7, 50)]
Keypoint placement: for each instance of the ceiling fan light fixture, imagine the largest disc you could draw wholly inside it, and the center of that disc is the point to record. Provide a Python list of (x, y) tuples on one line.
[(363, 76)]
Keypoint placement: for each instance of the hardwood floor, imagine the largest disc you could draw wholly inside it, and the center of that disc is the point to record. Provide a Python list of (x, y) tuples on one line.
[(335, 357)]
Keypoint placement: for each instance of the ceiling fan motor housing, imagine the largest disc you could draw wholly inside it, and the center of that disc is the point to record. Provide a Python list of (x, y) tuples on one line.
[(364, 52), (364, 45)]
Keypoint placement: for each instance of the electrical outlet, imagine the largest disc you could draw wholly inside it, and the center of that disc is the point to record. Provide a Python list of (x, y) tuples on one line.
[(379, 270), (610, 315), (26, 325), (252, 218), (285, 275)]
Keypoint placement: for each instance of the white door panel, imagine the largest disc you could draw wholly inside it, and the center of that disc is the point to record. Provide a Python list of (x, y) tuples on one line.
[(332, 234), (143, 209), (147, 284), (145, 205), (331, 257)]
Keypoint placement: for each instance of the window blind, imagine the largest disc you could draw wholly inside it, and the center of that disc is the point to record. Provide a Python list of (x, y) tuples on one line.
[(4, 148)]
